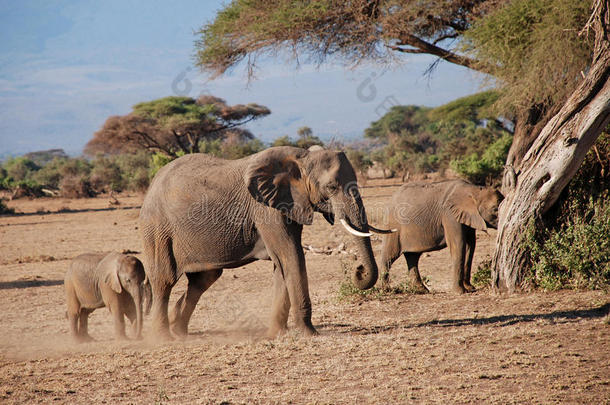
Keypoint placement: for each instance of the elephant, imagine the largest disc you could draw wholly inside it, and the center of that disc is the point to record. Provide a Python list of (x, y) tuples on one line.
[(203, 214), (433, 215), (114, 280)]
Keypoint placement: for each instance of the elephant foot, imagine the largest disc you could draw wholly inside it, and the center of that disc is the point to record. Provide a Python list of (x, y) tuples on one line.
[(308, 330), (276, 331), (416, 286), (179, 329), (83, 339), (162, 335)]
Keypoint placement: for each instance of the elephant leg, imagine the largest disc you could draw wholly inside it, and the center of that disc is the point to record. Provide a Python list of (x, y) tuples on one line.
[(471, 241), (284, 247), (390, 252), (162, 277), (458, 255), (83, 325), (73, 311), (415, 281), (73, 321), (183, 310), (160, 319), (119, 319), (281, 304), (129, 309), (298, 293)]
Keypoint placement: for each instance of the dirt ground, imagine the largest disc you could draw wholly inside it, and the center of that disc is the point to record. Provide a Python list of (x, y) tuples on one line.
[(401, 348)]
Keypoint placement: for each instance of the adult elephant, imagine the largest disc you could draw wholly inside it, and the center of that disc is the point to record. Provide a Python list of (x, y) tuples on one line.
[(203, 214), (433, 215)]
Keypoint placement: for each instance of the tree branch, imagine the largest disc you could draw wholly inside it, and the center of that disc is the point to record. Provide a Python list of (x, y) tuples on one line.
[(405, 50), (426, 47), (179, 140), (447, 36), (152, 143)]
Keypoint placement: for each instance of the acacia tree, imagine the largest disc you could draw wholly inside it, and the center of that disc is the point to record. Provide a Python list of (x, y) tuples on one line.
[(172, 125), (550, 62)]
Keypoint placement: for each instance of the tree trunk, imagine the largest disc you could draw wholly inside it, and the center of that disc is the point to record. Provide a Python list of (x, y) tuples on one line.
[(551, 161), (528, 126)]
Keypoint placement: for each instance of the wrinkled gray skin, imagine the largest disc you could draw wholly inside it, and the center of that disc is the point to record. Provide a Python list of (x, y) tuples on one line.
[(432, 216), (114, 280), (203, 214)]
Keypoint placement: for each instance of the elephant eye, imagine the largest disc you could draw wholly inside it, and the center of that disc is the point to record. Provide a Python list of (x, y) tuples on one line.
[(332, 187)]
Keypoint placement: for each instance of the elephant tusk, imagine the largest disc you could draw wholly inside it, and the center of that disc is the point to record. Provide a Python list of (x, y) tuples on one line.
[(382, 231), (354, 231)]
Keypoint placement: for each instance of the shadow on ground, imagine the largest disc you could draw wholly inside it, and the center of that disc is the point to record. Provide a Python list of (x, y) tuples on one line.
[(66, 211), (499, 320), (8, 285)]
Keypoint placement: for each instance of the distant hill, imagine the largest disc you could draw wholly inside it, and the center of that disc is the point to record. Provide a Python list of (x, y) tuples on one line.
[(43, 157)]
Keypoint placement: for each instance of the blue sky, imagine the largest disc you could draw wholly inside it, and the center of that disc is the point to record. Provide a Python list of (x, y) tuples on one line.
[(65, 66)]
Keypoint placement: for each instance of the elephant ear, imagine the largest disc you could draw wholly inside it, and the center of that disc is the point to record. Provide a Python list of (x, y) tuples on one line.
[(274, 178), (463, 206), (112, 279)]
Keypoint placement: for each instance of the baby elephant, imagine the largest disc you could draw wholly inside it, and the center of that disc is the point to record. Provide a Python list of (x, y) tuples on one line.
[(115, 280), (432, 216)]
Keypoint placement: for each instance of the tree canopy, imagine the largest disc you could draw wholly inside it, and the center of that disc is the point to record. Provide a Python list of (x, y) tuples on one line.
[(173, 124), (352, 31)]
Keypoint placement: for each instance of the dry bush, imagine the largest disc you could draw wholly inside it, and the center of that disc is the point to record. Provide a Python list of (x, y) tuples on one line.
[(75, 187)]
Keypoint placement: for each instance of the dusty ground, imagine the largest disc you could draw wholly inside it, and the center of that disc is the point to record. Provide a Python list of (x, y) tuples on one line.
[(436, 348)]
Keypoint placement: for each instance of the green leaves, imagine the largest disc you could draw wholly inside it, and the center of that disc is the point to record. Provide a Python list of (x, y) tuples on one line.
[(479, 169), (534, 48), (421, 139)]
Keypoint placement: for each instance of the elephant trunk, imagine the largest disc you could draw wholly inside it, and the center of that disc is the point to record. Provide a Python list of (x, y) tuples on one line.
[(366, 273), (350, 212)]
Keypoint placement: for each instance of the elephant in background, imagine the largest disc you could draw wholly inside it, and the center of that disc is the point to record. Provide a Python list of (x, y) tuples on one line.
[(114, 280), (432, 216), (203, 214)]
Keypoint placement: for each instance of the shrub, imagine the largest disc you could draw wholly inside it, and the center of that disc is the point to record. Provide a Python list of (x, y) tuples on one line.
[(72, 186), (230, 149), (51, 173), (575, 255), (4, 209), (482, 169), (135, 169), (26, 188), (139, 180), (241, 149), (19, 169), (283, 141), (482, 277), (106, 175), (359, 159), (75, 167), (158, 160)]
